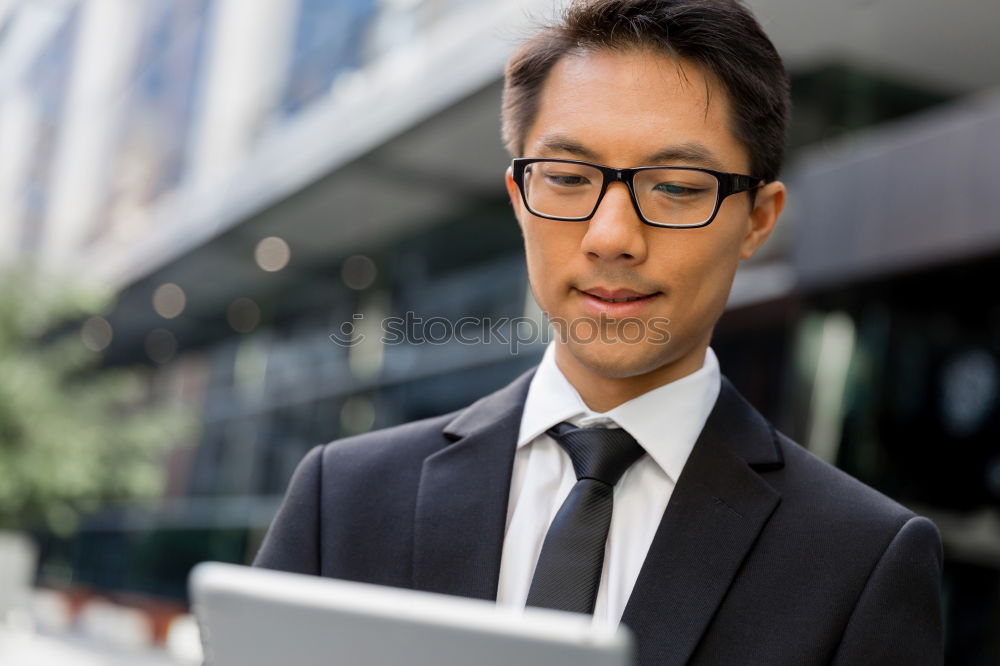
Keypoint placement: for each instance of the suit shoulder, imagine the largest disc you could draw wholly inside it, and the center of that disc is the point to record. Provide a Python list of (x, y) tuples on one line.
[(411, 441), (827, 491)]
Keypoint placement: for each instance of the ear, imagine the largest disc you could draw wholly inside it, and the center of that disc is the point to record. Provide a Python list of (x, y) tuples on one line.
[(514, 193), (768, 204)]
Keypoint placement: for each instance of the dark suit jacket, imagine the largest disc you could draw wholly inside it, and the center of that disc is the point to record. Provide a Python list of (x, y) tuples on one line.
[(764, 555)]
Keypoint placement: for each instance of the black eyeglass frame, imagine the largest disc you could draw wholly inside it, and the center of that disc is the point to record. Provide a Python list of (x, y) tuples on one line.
[(729, 184)]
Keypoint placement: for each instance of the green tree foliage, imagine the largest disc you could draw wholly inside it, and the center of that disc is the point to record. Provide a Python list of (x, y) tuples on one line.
[(73, 435)]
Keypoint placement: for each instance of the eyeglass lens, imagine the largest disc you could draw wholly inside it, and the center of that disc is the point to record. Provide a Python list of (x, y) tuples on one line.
[(666, 196)]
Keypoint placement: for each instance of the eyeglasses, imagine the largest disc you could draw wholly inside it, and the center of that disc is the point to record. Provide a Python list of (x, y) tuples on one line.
[(663, 196)]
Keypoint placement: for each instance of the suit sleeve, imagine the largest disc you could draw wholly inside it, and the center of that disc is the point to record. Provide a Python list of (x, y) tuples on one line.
[(897, 619), (292, 541)]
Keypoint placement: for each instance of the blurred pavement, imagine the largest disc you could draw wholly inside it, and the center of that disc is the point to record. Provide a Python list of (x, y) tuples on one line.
[(26, 648)]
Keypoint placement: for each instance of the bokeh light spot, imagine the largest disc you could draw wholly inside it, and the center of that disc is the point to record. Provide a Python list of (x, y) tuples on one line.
[(358, 272), (161, 345), (357, 415), (169, 300), (243, 315), (96, 333), (272, 254)]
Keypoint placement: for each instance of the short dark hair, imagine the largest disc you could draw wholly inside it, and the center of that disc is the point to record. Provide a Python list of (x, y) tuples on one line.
[(721, 36)]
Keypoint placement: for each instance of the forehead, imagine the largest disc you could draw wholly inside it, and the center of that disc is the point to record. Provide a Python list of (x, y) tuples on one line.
[(624, 108)]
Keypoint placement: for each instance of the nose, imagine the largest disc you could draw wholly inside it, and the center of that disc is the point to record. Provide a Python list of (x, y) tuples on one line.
[(615, 232)]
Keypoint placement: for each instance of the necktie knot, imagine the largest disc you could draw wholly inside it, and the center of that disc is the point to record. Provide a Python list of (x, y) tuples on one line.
[(602, 454)]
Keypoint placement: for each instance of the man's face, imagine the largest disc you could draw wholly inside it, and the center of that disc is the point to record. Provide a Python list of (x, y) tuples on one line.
[(623, 110)]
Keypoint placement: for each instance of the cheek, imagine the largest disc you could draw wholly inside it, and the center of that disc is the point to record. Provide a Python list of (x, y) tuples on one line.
[(536, 258), (533, 251), (700, 269), (549, 250)]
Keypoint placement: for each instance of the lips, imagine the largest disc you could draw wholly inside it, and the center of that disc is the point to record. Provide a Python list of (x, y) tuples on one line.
[(617, 303), (616, 295)]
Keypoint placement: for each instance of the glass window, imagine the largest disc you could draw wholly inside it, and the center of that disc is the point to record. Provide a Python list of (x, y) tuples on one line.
[(151, 154), (330, 39)]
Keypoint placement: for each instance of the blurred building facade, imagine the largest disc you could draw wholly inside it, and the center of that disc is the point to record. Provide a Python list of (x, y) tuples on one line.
[(263, 187)]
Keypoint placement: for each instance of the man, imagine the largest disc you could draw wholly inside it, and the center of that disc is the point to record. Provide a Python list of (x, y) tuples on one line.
[(714, 538)]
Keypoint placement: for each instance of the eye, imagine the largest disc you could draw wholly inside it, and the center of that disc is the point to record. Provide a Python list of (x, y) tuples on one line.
[(677, 190), (566, 179)]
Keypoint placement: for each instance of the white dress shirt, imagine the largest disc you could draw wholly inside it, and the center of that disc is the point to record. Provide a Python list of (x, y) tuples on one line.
[(665, 422)]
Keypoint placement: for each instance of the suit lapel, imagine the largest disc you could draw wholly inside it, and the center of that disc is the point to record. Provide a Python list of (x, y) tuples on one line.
[(718, 507), (461, 509)]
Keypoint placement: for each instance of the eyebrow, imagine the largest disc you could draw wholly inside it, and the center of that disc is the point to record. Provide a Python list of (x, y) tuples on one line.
[(690, 152), (561, 144)]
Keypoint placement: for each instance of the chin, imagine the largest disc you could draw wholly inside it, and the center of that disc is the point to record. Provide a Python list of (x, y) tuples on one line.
[(621, 360)]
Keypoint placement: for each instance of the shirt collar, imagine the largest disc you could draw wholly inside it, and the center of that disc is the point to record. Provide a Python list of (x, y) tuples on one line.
[(551, 399), (666, 421)]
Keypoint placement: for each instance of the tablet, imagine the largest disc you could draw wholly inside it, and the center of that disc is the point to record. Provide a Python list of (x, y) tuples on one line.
[(257, 617)]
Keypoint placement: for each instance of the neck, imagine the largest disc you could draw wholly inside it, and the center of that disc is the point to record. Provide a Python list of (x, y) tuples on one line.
[(601, 391)]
